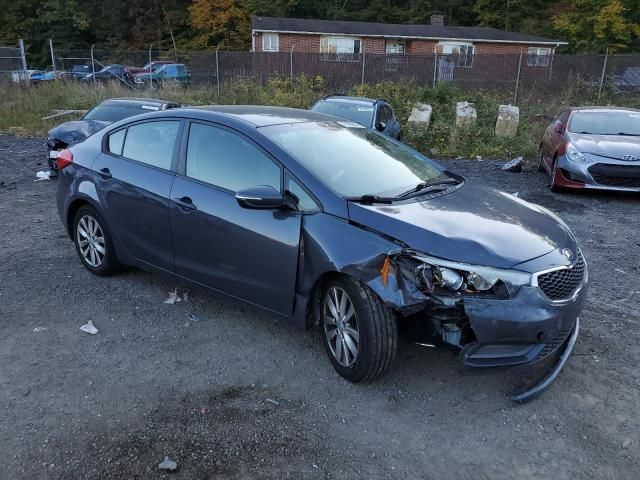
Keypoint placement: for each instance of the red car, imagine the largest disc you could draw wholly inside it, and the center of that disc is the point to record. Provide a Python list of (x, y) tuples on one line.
[(593, 147)]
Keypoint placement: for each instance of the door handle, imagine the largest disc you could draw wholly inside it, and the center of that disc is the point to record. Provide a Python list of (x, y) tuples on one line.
[(105, 173), (186, 203)]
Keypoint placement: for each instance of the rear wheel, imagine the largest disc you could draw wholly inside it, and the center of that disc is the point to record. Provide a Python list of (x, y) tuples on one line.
[(93, 242), (358, 331)]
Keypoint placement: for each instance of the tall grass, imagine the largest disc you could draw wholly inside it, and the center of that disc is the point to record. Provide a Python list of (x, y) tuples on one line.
[(22, 109)]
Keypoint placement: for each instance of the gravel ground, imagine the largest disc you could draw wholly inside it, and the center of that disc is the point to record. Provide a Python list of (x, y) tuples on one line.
[(240, 394)]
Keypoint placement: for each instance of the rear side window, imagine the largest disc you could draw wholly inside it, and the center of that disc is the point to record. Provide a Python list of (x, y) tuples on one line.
[(151, 142), (228, 160), (116, 141)]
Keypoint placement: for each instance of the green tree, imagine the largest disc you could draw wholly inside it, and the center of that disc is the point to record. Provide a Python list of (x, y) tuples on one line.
[(594, 25)]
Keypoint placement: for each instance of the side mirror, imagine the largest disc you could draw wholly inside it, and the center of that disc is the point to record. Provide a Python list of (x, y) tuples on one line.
[(262, 197), (558, 126), (380, 126)]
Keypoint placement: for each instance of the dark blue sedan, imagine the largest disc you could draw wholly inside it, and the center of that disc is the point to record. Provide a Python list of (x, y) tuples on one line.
[(328, 223)]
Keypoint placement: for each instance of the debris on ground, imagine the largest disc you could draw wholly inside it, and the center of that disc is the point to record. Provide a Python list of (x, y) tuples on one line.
[(89, 328), (273, 401), (167, 464), (174, 297), (193, 318), (43, 175), (185, 296), (40, 329), (627, 443), (514, 165), (516, 194)]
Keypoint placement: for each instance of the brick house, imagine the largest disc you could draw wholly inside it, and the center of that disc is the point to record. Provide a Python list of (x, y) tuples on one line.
[(470, 53)]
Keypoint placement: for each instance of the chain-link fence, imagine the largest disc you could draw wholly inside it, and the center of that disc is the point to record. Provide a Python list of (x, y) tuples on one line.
[(13, 64), (515, 76)]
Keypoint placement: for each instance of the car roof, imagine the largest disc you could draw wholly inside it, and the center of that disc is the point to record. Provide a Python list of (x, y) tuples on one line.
[(349, 99), (262, 116), (603, 109), (134, 100)]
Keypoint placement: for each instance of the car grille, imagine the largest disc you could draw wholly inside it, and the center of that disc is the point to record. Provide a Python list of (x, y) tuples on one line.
[(626, 176), (561, 284), (552, 345)]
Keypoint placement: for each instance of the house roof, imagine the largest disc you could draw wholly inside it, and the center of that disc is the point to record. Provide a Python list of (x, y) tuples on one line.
[(370, 29)]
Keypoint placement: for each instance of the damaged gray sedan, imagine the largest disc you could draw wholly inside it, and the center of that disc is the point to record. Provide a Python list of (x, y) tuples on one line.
[(331, 225)]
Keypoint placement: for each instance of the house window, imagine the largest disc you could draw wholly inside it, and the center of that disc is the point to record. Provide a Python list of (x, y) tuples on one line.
[(394, 47), (538, 57), (270, 42), (344, 49), (461, 54)]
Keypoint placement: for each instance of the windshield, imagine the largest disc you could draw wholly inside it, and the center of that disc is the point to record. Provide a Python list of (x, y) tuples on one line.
[(354, 161), (112, 112), (154, 66), (605, 123), (358, 113)]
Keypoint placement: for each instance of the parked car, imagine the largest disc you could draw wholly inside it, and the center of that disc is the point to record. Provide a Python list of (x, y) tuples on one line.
[(103, 114), (39, 76), (629, 81), (151, 66), (113, 73), (593, 147), (374, 114), (328, 223), (175, 73), (79, 72)]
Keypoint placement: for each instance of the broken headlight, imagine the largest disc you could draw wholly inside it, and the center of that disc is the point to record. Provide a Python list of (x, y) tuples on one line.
[(442, 276)]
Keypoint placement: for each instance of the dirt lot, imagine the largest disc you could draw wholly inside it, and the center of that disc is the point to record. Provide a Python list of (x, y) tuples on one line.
[(239, 394)]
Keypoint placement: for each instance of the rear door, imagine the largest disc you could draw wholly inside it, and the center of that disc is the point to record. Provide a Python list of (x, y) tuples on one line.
[(249, 254), (133, 177)]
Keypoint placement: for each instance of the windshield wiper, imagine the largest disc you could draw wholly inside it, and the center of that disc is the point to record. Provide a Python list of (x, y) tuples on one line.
[(370, 199), (427, 187)]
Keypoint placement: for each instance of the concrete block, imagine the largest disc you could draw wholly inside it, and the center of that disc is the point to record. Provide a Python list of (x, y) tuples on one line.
[(508, 121), (420, 115), (466, 114)]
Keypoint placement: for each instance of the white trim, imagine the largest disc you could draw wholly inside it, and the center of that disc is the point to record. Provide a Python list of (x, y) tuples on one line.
[(409, 37)]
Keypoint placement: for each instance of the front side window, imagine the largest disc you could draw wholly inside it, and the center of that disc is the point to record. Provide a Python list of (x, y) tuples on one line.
[(152, 142), (270, 42), (229, 160), (116, 141), (461, 54), (384, 114), (538, 57), (356, 161), (305, 202)]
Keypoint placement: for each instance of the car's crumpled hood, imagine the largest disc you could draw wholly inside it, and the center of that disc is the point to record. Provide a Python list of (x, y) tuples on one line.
[(76, 131), (613, 146), (474, 224)]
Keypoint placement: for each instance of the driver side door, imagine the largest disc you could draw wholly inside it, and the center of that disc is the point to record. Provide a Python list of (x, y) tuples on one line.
[(249, 254)]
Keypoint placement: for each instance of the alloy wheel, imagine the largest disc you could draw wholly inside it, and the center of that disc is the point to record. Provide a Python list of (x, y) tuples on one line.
[(341, 326), (91, 241)]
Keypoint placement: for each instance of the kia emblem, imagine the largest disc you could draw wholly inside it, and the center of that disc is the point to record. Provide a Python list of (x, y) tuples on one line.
[(567, 253)]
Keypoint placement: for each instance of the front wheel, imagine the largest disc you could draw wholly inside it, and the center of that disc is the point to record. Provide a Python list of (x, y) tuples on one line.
[(554, 178), (358, 331)]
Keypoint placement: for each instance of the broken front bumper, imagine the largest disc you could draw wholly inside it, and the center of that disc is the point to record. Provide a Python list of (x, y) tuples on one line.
[(523, 331)]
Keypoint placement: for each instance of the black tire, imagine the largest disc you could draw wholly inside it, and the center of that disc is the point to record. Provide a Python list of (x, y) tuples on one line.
[(108, 264), (376, 327), (540, 164), (155, 85), (554, 169)]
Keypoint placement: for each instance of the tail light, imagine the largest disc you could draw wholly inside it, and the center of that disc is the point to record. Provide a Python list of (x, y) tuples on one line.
[(65, 158)]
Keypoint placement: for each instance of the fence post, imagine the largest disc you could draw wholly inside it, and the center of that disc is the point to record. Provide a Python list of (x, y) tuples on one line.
[(291, 64), (217, 71), (93, 65), (53, 58), (362, 76), (515, 94), (604, 69), (435, 65), (23, 59), (150, 73)]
